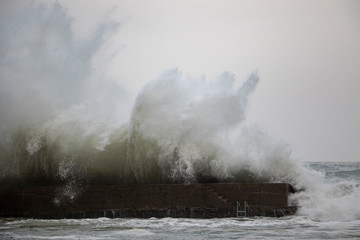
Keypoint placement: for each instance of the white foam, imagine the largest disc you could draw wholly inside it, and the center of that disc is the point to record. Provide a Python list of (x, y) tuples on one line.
[(132, 232)]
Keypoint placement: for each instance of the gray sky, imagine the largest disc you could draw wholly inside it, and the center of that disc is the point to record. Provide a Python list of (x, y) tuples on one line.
[(307, 53)]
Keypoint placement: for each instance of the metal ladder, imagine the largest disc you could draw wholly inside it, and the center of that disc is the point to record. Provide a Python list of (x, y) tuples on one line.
[(239, 212)]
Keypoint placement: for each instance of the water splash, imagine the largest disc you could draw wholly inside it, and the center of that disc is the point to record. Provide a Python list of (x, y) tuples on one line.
[(58, 127), (180, 129), (331, 197)]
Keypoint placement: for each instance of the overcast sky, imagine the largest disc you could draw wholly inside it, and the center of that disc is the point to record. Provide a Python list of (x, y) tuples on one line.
[(307, 54)]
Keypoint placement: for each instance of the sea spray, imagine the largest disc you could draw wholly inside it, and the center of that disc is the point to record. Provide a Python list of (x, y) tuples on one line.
[(177, 123), (177, 133), (329, 198), (60, 125), (178, 130), (48, 126)]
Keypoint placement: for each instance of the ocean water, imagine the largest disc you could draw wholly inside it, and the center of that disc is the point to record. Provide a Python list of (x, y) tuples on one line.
[(299, 226)]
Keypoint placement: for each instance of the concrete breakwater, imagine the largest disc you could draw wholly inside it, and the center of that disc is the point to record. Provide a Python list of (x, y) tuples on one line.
[(149, 200)]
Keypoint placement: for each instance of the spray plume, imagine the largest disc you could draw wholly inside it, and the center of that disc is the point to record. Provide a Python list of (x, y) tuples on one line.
[(57, 121)]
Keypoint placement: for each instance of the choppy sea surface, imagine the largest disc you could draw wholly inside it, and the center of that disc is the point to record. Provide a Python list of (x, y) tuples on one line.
[(299, 226)]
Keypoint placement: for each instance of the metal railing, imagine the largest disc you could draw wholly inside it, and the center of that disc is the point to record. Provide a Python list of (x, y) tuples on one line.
[(241, 210)]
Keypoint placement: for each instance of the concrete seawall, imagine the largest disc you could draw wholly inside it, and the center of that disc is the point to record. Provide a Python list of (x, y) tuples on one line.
[(150, 200)]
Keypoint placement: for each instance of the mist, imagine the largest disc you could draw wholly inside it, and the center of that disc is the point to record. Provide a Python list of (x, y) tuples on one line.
[(62, 121)]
